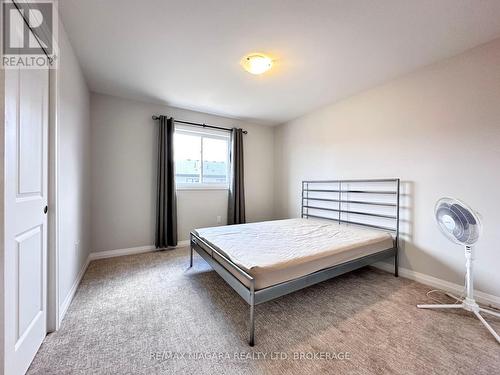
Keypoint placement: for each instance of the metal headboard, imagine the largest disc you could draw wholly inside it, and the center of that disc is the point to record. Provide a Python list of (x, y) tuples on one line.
[(372, 203)]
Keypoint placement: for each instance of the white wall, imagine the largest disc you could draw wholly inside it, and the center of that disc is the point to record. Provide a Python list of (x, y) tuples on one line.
[(437, 129), (73, 159), (124, 169)]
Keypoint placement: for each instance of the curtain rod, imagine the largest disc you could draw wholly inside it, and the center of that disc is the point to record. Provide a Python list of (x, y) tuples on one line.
[(154, 117)]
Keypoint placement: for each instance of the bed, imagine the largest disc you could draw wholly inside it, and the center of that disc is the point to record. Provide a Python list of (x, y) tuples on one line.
[(344, 225)]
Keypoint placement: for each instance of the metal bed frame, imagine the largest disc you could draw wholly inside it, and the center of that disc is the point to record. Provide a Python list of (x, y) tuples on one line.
[(340, 196)]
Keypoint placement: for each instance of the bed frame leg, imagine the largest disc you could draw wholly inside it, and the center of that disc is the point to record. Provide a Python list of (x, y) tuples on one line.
[(251, 340), (190, 250), (396, 264)]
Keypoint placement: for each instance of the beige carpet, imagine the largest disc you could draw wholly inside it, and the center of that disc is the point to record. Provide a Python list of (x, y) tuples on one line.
[(148, 314)]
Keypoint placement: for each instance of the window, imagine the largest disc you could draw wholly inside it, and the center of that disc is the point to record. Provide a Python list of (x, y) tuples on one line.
[(201, 158)]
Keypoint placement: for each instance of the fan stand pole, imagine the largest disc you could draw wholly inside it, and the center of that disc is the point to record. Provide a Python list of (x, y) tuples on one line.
[(468, 303)]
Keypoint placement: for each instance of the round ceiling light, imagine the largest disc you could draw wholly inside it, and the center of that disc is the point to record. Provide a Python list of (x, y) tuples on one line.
[(257, 63)]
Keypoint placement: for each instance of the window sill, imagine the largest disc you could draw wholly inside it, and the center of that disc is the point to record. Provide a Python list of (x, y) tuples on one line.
[(202, 187)]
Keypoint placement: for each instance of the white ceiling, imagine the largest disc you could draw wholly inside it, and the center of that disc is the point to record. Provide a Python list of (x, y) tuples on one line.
[(186, 53)]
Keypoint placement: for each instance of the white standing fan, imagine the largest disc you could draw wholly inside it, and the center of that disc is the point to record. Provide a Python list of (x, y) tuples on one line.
[(461, 225)]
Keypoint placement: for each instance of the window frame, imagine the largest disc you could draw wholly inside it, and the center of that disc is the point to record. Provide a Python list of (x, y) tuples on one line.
[(204, 133)]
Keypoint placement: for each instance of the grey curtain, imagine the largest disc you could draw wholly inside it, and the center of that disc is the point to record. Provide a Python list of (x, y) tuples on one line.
[(166, 200), (236, 204)]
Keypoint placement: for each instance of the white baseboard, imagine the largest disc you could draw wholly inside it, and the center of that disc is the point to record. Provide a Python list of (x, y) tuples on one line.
[(434, 282), (129, 251), (120, 252), (102, 255), (67, 301)]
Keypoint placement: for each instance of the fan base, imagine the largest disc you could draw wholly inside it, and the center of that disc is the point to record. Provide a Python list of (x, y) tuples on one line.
[(469, 305)]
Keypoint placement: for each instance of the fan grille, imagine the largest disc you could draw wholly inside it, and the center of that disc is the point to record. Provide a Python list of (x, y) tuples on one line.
[(457, 221)]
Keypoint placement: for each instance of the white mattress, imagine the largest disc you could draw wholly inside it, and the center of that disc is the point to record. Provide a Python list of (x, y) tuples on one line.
[(277, 251)]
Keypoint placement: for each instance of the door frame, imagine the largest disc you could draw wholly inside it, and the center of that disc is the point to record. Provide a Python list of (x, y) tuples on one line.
[(53, 314)]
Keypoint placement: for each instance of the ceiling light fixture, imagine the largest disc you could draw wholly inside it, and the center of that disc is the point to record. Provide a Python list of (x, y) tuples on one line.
[(257, 63)]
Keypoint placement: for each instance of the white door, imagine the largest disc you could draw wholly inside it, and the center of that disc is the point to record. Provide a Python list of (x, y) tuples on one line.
[(26, 151)]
